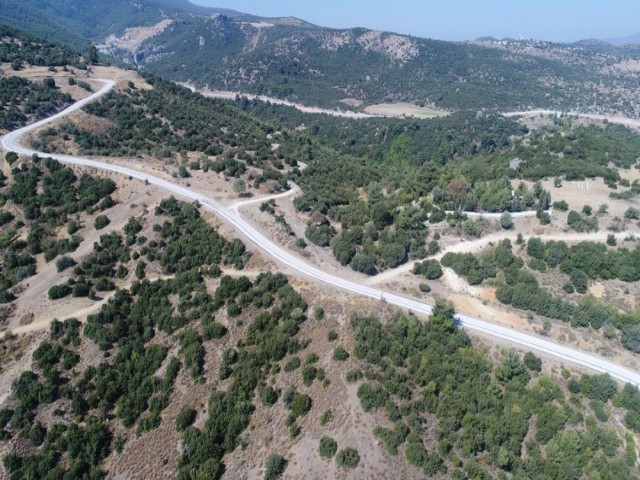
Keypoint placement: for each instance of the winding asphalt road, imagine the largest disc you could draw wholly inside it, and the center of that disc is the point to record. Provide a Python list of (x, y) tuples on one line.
[(11, 142)]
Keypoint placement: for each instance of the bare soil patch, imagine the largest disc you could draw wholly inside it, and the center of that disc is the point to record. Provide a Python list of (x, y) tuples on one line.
[(403, 109)]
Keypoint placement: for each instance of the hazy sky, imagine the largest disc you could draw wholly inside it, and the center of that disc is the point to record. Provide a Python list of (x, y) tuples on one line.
[(555, 20)]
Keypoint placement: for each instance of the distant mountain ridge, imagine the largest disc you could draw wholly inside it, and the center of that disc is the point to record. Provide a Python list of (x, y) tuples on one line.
[(628, 40), (294, 60)]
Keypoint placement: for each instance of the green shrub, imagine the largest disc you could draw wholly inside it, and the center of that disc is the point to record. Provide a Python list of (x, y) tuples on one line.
[(372, 398), (309, 373), (632, 213), (185, 418), (328, 447), (598, 387), (59, 291), (430, 269), (11, 157), (532, 362), (276, 465), (64, 262), (326, 417), (101, 221), (340, 354), (292, 364), (269, 396), (213, 330), (348, 458), (73, 227), (301, 404), (506, 221), (561, 206)]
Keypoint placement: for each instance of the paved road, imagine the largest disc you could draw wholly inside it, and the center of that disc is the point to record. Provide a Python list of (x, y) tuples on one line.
[(284, 257), (525, 214), (227, 95), (629, 122)]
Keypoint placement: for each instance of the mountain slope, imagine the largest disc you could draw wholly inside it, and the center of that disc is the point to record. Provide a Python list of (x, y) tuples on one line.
[(79, 22), (628, 40), (291, 59), (324, 66)]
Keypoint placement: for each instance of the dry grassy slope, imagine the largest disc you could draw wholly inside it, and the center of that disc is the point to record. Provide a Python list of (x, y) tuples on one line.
[(154, 455)]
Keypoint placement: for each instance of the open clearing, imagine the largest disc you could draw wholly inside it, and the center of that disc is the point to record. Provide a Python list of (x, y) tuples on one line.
[(403, 109)]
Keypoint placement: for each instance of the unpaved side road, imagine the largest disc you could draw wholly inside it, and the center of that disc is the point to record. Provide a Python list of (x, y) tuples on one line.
[(479, 244)]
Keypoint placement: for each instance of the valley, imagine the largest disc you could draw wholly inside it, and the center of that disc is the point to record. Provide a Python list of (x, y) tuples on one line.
[(381, 110), (199, 284), (11, 142)]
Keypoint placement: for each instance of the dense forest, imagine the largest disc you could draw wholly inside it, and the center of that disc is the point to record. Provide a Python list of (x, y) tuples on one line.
[(492, 420), (18, 47)]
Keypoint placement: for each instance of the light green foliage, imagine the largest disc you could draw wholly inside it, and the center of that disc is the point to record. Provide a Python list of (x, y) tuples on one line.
[(326, 417), (292, 364)]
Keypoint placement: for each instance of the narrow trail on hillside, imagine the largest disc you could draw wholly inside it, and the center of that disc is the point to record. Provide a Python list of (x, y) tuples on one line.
[(476, 245)]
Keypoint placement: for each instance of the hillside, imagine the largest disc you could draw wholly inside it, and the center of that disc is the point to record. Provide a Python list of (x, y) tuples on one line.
[(145, 336), (78, 23), (206, 371), (297, 61), (308, 65)]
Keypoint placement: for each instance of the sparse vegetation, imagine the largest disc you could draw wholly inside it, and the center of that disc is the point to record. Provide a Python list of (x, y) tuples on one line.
[(379, 193)]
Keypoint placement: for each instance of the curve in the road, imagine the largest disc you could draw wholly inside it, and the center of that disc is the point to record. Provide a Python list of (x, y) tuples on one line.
[(587, 360), (242, 203)]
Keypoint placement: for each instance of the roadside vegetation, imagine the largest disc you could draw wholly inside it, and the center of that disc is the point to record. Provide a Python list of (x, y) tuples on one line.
[(372, 192), (49, 197), (579, 265), (493, 420)]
